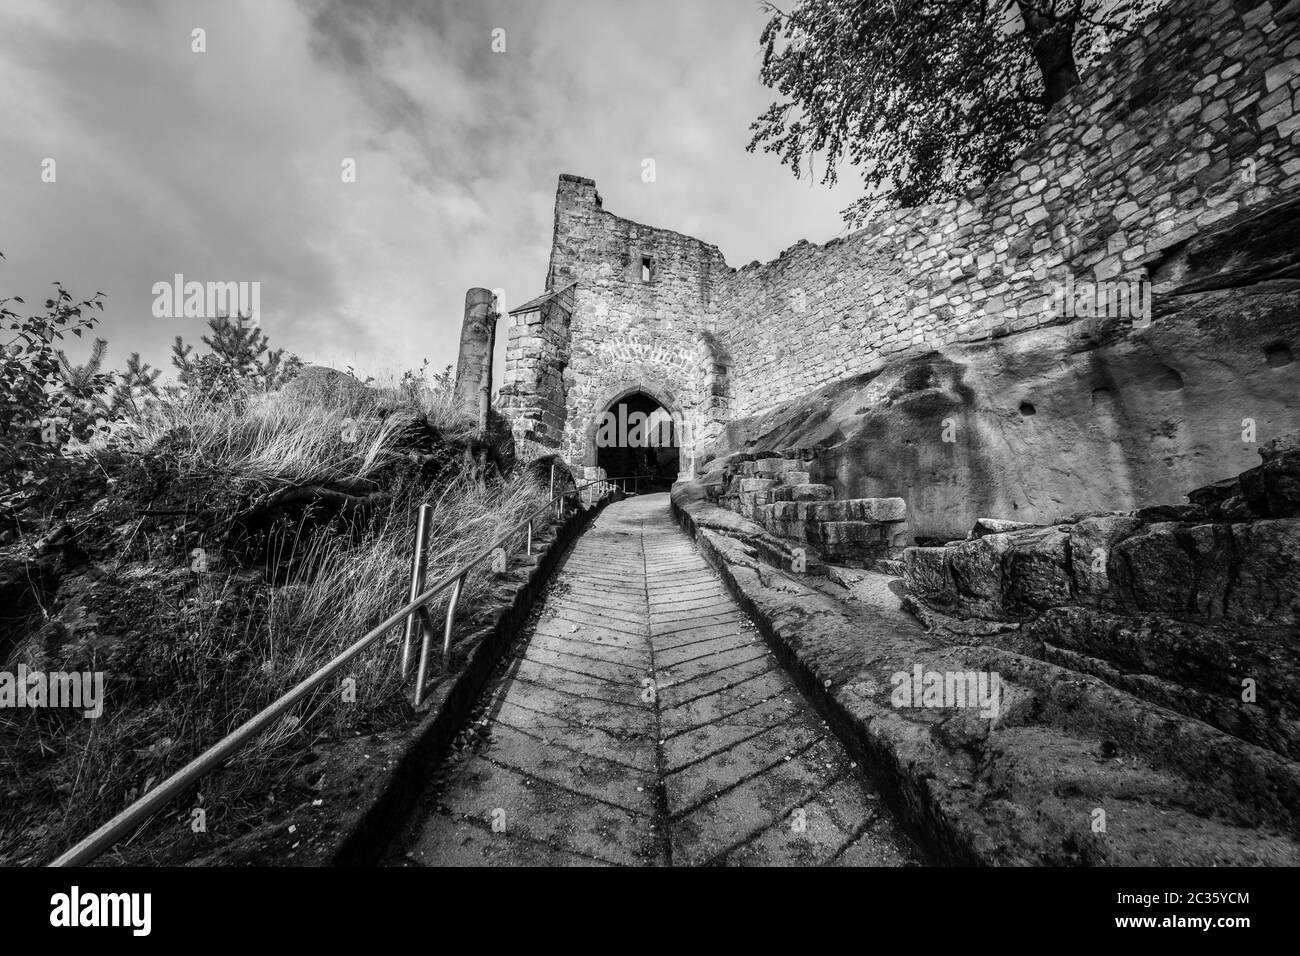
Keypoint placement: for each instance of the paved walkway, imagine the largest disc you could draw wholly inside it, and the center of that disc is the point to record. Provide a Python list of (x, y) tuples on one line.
[(645, 723)]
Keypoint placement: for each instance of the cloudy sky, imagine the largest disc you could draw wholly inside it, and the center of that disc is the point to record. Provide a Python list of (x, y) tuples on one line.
[(225, 165)]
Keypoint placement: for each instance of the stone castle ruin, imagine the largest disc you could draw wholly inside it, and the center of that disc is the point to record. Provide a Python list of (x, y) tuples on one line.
[(1107, 326)]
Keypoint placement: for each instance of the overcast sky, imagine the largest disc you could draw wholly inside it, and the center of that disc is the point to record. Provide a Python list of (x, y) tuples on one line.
[(225, 165)]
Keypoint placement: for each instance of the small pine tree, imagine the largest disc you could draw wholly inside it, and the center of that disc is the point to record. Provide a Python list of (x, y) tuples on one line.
[(80, 380), (239, 360), (140, 379)]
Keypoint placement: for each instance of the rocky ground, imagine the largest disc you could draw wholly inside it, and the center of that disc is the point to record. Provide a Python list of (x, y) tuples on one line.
[(1146, 659)]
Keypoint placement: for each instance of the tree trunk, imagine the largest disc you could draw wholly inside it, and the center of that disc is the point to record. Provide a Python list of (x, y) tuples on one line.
[(1051, 40)]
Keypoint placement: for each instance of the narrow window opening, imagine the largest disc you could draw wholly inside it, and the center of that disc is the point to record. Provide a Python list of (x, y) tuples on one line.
[(647, 268)]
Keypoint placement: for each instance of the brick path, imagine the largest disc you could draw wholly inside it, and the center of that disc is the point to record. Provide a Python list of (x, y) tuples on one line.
[(646, 723)]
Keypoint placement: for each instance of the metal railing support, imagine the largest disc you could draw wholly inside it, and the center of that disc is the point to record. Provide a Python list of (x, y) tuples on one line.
[(451, 618), (528, 546), (419, 565), (422, 675)]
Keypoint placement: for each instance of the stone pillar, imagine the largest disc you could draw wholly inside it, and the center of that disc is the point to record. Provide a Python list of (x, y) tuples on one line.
[(474, 363), (533, 390)]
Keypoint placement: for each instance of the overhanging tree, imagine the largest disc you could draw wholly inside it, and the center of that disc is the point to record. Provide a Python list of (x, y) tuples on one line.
[(924, 96)]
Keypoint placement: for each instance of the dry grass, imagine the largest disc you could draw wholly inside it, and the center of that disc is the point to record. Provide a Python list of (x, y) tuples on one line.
[(211, 653), (271, 438)]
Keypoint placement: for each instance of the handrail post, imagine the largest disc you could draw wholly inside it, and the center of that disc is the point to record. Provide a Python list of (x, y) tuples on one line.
[(422, 675), (451, 619), (528, 547), (419, 564)]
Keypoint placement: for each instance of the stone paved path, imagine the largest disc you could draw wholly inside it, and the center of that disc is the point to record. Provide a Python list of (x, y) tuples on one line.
[(646, 723)]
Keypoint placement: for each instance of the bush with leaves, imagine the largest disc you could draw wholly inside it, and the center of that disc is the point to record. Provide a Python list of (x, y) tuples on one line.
[(40, 410), (48, 405)]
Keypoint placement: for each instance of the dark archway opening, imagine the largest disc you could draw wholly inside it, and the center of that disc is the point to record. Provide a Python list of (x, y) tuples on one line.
[(637, 436)]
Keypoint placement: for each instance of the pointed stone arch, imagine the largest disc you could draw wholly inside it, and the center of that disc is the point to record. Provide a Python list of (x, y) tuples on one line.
[(611, 396)]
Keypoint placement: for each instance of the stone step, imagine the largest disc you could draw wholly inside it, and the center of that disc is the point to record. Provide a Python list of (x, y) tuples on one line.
[(795, 478), (857, 542), (984, 526), (851, 540), (846, 509), (786, 553), (771, 467), (803, 492)]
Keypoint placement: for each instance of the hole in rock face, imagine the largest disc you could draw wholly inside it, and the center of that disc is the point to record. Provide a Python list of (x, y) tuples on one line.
[(1168, 380), (1102, 396), (1027, 408), (1278, 354)]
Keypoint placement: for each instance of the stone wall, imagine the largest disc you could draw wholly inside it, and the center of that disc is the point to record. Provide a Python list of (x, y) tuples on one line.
[(1175, 131), (1073, 417), (537, 353)]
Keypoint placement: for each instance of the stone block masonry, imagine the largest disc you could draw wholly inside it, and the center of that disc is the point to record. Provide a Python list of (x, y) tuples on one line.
[(770, 491), (641, 301), (1185, 125)]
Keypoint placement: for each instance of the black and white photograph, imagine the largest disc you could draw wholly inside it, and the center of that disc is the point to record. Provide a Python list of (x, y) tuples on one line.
[(856, 440)]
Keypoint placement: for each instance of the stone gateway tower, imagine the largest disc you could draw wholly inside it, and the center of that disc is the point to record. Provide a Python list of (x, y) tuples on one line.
[(624, 324)]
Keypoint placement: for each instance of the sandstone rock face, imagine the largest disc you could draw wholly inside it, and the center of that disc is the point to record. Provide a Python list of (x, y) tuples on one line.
[(1124, 417), (1111, 709), (1199, 614), (317, 384)]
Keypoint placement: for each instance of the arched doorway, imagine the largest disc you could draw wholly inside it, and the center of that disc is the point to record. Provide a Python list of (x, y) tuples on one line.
[(636, 435)]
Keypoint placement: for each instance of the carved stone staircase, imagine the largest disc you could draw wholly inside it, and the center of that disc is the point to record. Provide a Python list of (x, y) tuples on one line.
[(779, 494)]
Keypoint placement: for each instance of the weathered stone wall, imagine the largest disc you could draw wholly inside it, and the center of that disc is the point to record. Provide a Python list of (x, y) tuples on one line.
[(628, 334), (532, 387), (1074, 417), (1175, 131)]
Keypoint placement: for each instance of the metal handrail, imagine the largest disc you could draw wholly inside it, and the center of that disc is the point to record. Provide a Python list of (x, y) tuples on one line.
[(415, 610)]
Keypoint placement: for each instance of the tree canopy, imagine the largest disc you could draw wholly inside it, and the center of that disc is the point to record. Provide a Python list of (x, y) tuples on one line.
[(923, 96)]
